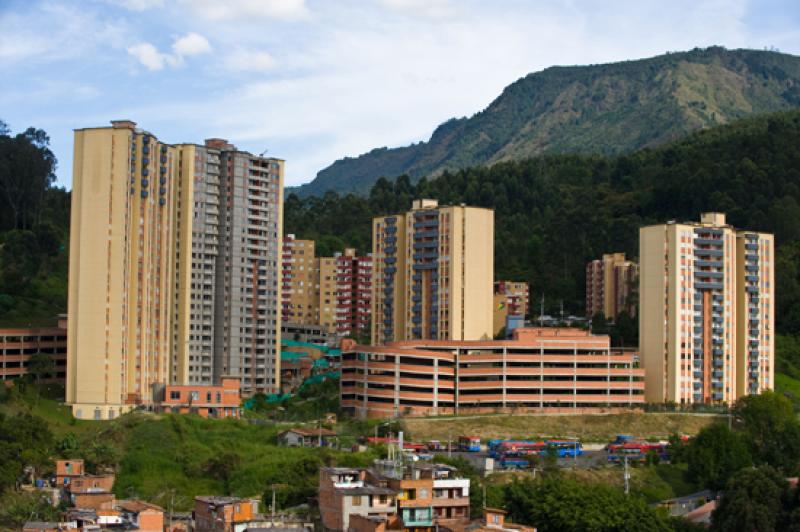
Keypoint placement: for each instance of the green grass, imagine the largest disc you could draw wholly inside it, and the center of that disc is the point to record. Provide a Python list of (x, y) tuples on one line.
[(788, 386)]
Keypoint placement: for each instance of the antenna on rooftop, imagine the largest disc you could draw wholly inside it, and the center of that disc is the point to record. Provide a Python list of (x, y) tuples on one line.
[(263, 153)]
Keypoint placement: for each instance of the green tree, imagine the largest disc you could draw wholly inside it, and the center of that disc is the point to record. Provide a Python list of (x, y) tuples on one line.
[(771, 430), (41, 366), (17, 508), (714, 455), (753, 500), (552, 502)]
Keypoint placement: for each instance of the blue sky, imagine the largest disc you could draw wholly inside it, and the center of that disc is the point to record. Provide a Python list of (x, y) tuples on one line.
[(313, 81)]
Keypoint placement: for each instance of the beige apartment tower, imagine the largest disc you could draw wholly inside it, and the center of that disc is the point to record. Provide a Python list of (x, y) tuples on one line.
[(706, 322), (611, 284), (157, 282), (121, 268), (433, 273), (300, 278)]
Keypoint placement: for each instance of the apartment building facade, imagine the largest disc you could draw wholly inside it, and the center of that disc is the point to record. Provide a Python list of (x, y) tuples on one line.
[(611, 286), (706, 325), (174, 258), (511, 298), (433, 273), (300, 282), (540, 369), (353, 292)]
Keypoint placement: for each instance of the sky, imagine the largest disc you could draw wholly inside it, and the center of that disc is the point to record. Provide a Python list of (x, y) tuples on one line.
[(313, 81)]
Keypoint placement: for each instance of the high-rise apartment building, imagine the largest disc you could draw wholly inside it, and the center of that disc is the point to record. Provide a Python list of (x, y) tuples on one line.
[(168, 245), (300, 299), (248, 306), (707, 311), (196, 241), (333, 292), (433, 273), (353, 292), (121, 269), (611, 284)]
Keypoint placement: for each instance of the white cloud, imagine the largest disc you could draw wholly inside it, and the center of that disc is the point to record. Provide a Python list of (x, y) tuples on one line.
[(227, 10), (148, 55), (424, 8), (250, 60), (188, 45), (191, 44), (137, 5)]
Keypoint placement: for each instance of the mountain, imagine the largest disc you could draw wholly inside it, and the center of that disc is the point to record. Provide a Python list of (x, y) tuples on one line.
[(554, 213), (604, 109)]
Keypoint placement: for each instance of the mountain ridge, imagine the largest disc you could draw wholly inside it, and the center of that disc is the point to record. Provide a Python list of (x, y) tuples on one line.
[(606, 108)]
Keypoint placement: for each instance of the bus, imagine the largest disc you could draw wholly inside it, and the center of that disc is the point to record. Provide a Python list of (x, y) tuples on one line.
[(565, 448), (636, 451), (469, 444), (518, 448)]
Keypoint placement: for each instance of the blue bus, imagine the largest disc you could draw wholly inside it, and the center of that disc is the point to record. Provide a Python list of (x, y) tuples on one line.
[(469, 444), (565, 448)]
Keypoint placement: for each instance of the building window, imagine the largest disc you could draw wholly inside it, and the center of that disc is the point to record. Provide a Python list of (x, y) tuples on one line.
[(357, 500), (174, 395), (194, 396)]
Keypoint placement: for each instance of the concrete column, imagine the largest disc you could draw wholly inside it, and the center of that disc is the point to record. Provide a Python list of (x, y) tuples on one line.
[(435, 386), (397, 385), (505, 353), (575, 376)]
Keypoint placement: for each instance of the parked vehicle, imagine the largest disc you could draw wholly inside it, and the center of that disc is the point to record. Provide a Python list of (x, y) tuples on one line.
[(565, 448), (469, 444)]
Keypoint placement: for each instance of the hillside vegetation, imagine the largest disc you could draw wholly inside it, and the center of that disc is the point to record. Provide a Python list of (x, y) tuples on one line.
[(588, 428), (554, 213), (599, 109), (34, 229)]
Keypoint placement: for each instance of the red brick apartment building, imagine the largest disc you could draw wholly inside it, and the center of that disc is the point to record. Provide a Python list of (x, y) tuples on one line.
[(18, 345), (540, 369), (353, 292), (207, 401)]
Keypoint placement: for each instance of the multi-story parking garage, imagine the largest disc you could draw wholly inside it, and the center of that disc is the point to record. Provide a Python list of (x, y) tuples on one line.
[(540, 369)]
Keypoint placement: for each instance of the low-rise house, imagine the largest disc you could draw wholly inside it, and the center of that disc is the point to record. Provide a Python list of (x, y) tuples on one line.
[(92, 483), (344, 492), (145, 517), (66, 470), (298, 437), (207, 401), (414, 487), (97, 500), (372, 523), (224, 514), (450, 495), (494, 520)]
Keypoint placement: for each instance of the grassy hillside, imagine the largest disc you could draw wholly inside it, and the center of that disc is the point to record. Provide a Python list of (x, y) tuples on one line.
[(591, 428), (601, 109)]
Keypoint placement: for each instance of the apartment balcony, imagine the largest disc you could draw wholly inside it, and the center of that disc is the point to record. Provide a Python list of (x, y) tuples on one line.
[(749, 257), (708, 252), (718, 363), (751, 247), (717, 242), (698, 363), (708, 286), (751, 289), (708, 274), (700, 263)]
